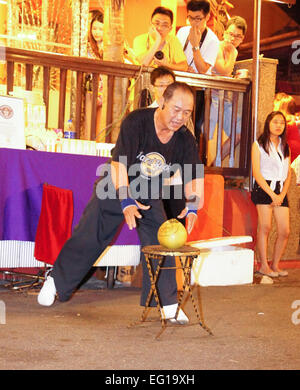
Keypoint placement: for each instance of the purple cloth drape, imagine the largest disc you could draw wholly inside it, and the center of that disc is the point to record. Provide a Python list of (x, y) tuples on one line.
[(22, 174)]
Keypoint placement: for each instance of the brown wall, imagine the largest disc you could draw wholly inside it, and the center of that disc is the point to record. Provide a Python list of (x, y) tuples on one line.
[(137, 17), (181, 16)]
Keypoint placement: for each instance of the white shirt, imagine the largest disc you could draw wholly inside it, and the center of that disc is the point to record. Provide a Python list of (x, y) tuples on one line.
[(272, 166), (209, 48), (153, 104)]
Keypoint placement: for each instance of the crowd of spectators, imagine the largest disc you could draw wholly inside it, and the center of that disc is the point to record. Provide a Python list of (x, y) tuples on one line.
[(195, 48)]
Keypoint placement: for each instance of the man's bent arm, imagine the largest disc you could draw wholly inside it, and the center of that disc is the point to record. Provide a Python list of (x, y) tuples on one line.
[(119, 175), (120, 181), (194, 193)]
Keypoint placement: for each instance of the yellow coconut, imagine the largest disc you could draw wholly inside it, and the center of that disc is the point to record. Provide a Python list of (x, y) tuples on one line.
[(172, 234)]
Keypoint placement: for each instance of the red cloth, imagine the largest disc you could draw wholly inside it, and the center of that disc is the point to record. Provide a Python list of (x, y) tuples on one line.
[(55, 223), (293, 139)]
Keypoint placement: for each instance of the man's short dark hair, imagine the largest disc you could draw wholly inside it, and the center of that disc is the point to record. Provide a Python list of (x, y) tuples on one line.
[(199, 5), (239, 22), (163, 11), (160, 72), (169, 91)]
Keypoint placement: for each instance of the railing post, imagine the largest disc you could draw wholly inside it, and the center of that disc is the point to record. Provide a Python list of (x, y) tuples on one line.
[(10, 76), (203, 142), (95, 83), (79, 94), (46, 80), (109, 107), (29, 74), (234, 113), (62, 98), (218, 161)]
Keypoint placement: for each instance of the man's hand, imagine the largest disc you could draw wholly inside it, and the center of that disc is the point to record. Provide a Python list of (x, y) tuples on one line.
[(190, 222), (154, 33), (190, 219), (132, 212), (162, 62), (229, 50), (195, 36)]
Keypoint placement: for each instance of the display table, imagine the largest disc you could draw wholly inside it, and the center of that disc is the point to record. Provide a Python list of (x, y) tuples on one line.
[(22, 174)]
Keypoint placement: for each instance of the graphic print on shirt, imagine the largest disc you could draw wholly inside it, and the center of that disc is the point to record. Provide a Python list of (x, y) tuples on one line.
[(152, 164)]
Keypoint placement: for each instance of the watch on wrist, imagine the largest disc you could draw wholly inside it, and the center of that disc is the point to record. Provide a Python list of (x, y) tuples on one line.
[(196, 48)]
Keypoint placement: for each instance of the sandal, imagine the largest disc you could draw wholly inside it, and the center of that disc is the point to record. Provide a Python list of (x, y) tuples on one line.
[(271, 274), (283, 273)]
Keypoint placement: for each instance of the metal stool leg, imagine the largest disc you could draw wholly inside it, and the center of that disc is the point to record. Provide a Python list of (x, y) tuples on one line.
[(187, 267), (153, 289)]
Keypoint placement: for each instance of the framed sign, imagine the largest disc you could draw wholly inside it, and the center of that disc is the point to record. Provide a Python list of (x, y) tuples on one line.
[(12, 129)]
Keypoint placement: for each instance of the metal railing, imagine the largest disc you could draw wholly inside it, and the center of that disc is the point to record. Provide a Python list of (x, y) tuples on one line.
[(223, 100)]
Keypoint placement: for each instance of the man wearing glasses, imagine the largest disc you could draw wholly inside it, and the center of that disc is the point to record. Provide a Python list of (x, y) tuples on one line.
[(200, 44), (233, 36), (160, 78), (158, 47)]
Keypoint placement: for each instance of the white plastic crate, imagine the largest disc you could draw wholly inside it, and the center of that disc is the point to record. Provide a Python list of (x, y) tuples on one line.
[(220, 263)]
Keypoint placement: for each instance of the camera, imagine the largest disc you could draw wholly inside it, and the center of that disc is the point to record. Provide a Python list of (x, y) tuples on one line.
[(159, 55)]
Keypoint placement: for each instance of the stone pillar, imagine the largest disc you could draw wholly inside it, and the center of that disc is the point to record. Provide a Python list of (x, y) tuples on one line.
[(266, 88), (292, 251)]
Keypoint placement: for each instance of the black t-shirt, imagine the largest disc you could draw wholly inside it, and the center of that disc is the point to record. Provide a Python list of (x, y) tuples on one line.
[(148, 160)]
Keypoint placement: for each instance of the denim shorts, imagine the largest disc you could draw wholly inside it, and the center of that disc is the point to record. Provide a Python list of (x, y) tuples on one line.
[(259, 196)]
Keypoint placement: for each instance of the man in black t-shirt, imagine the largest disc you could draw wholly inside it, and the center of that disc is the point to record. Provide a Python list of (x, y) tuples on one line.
[(152, 145)]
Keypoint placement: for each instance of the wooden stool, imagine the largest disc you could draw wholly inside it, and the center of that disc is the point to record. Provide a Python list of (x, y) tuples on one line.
[(186, 256)]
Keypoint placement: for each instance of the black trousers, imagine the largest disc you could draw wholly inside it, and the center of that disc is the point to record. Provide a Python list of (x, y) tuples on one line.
[(98, 225), (173, 206)]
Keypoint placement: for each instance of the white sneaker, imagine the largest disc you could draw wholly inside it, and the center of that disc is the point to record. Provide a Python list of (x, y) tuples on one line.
[(169, 312), (47, 294)]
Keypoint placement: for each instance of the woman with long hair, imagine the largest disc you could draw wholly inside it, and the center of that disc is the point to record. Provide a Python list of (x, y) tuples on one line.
[(95, 51), (95, 37), (272, 174)]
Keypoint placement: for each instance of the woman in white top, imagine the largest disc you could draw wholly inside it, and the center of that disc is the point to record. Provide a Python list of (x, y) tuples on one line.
[(271, 171)]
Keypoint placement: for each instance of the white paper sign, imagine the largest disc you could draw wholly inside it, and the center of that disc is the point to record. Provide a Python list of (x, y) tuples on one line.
[(12, 134)]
